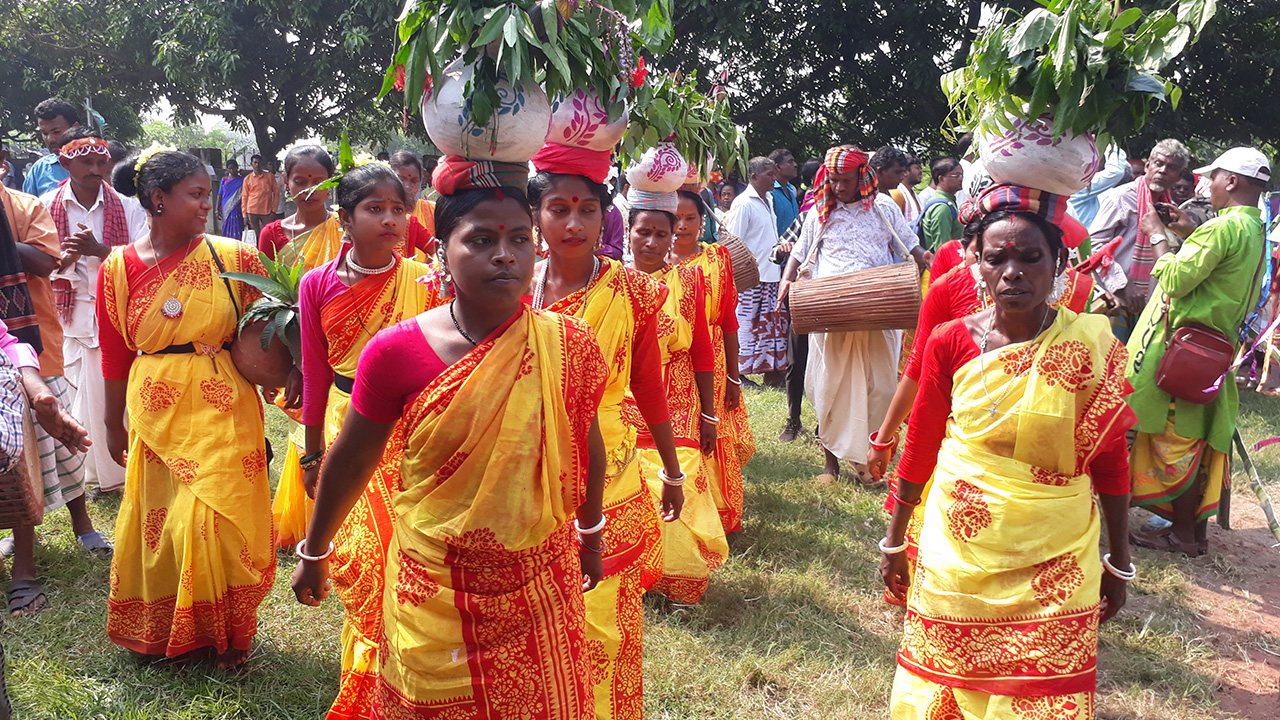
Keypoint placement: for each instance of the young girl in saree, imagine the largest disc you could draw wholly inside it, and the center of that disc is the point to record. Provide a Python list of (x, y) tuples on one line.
[(344, 303), (483, 590), (312, 236), (734, 443), (695, 544), (420, 237), (194, 556), (621, 305), (1019, 420)]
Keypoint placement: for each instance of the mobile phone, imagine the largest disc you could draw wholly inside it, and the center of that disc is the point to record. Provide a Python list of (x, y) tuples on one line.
[(1163, 211)]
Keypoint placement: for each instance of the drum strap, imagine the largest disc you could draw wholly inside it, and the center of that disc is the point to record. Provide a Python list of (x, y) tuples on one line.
[(896, 247)]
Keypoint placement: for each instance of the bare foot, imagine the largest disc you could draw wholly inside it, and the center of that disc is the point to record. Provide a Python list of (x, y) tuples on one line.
[(232, 660)]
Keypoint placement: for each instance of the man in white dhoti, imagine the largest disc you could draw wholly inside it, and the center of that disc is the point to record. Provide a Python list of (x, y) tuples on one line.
[(851, 376)]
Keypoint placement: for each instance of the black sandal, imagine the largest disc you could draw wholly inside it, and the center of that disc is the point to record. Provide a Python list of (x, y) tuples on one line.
[(26, 597)]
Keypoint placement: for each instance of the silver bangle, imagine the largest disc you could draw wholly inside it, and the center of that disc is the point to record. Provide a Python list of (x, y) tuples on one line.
[(312, 558), (591, 530), (1125, 575), (735, 382), (668, 480), (711, 419), (892, 550)]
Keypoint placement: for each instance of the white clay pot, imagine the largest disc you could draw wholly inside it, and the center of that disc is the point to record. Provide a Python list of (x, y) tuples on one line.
[(581, 120), (1028, 155), (660, 169), (515, 132)]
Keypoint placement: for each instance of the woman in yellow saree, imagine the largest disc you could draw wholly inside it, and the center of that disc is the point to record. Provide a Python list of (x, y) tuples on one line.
[(621, 305), (194, 556), (695, 544), (483, 592), (1020, 418), (734, 443), (313, 237), (344, 303)]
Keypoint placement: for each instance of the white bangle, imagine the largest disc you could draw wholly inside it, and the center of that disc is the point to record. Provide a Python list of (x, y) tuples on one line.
[(711, 419), (591, 530), (668, 480), (892, 550), (312, 558), (1125, 575), (735, 382)]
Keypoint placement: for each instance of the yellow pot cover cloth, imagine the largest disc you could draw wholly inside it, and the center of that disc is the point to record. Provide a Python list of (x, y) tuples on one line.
[(483, 602), (1167, 465), (1006, 590), (618, 299), (734, 443), (695, 544), (194, 555), (358, 566)]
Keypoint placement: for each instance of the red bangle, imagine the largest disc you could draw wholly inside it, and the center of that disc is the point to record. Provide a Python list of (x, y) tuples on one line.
[(904, 502), (879, 445)]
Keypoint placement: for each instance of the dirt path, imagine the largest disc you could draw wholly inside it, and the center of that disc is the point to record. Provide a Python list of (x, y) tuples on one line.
[(1237, 591)]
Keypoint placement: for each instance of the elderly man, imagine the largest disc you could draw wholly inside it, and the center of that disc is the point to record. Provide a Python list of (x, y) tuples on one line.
[(53, 117), (1180, 456), (763, 326), (1120, 210), (851, 376)]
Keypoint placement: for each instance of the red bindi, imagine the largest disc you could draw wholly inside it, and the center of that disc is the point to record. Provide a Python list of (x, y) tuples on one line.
[(1009, 245), (502, 227), (575, 198)]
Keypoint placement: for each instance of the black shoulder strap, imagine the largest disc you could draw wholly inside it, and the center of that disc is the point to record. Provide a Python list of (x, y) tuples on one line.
[(223, 271)]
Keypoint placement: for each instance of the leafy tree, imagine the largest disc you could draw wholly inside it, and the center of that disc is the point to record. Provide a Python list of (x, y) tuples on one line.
[(231, 143), (277, 68)]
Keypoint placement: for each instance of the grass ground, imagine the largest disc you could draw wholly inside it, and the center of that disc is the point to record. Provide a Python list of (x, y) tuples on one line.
[(793, 626)]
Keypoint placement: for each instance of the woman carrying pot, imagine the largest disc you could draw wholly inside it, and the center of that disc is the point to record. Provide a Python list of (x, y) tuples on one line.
[(194, 556), (344, 303), (568, 201), (1019, 420), (485, 573), (695, 544), (956, 294), (734, 442)]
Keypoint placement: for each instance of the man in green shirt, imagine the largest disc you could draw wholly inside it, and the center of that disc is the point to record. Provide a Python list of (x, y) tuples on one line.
[(1180, 457), (939, 215)]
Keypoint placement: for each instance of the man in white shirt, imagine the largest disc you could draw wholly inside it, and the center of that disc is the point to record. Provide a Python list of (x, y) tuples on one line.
[(763, 327), (91, 219), (852, 376)]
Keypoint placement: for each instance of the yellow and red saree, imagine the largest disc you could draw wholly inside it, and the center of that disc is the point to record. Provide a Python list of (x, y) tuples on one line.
[(194, 555), (695, 544), (291, 508), (358, 565), (735, 444), (614, 613), (1002, 616), (483, 602)]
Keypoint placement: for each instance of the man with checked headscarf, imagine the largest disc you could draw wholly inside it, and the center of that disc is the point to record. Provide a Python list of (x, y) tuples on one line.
[(851, 376)]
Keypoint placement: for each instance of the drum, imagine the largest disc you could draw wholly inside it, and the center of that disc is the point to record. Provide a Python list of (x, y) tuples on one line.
[(881, 298), (746, 274)]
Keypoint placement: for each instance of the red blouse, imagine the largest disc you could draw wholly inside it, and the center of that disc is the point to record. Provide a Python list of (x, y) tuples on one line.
[(948, 256), (952, 295), (949, 348)]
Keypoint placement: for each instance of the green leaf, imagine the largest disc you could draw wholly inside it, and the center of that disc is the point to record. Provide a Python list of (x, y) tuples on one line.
[(1175, 96), (511, 29), (346, 159), (1033, 32), (1196, 13), (1126, 18), (491, 29), (265, 285)]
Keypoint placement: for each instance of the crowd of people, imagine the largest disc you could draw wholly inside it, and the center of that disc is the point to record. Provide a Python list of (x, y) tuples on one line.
[(519, 406)]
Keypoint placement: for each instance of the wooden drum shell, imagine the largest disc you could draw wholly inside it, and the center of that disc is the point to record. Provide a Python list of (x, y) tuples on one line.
[(881, 298)]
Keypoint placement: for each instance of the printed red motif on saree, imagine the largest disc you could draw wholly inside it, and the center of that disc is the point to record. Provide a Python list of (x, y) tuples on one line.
[(152, 527), (968, 514), (1062, 707), (255, 463), (944, 706), (157, 396), (413, 584), (1067, 364), (195, 275), (1049, 477), (217, 393), (1018, 360), (184, 469), (1057, 580)]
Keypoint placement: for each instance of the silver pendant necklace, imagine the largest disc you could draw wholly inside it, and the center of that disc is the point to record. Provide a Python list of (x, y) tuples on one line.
[(172, 308), (982, 366), (542, 284)]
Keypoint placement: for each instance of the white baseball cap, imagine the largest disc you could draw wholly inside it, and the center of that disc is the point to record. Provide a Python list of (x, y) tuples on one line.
[(1242, 161)]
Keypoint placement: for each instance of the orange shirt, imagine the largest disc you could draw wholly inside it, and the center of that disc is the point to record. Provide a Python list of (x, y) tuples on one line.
[(260, 195), (33, 225)]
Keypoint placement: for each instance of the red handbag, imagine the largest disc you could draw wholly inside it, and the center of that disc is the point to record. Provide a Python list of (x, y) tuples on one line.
[(1197, 358)]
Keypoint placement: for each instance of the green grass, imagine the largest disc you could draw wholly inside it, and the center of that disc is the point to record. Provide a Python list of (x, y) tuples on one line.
[(792, 627)]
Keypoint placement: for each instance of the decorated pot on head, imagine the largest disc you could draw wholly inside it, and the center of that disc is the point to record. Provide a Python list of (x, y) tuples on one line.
[(581, 138), (656, 177), (515, 131), (1028, 155)]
